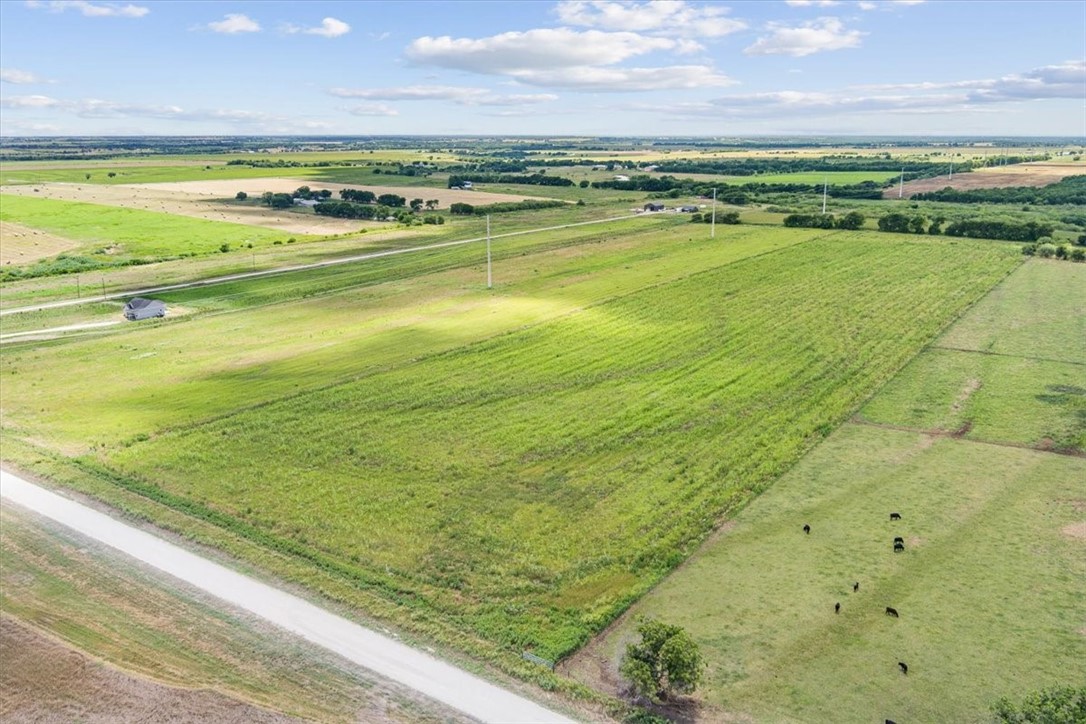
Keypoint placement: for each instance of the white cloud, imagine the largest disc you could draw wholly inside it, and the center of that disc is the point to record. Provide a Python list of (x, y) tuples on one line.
[(908, 2), (329, 28), (664, 17), (19, 77), (811, 37), (620, 80), (372, 109), (569, 59), (541, 49), (865, 5), (812, 3), (234, 23), (28, 102), (1061, 81), (461, 95), (90, 10)]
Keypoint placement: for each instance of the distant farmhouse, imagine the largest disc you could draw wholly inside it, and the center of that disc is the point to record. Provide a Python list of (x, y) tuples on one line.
[(651, 206), (140, 308)]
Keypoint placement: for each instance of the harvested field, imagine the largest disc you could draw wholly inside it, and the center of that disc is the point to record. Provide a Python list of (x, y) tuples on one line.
[(23, 245), (148, 198), (43, 680), (1022, 174), (227, 188), (203, 200)]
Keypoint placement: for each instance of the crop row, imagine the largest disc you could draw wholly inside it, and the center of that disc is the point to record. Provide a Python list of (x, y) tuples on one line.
[(531, 486)]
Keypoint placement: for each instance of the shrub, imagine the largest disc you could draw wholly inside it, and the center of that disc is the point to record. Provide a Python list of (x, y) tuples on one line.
[(241, 196), (1058, 705), (224, 248)]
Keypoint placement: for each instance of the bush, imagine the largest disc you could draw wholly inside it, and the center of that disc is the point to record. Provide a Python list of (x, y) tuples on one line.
[(241, 196), (1046, 251), (1078, 255), (461, 209), (224, 248), (1058, 705)]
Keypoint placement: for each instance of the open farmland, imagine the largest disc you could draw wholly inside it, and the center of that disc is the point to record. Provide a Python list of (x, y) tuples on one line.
[(24, 245), (989, 590), (127, 233), (482, 476), (992, 177)]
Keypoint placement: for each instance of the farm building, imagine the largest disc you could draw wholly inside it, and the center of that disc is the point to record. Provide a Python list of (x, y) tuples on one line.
[(140, 308), (652, 206)]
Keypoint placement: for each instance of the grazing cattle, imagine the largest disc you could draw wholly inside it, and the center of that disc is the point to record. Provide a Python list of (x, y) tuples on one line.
[(900, 540), (899, 547), (891, 612), (855, 586), (806, 529), (895, 516), (890, 721), (837, 607), (904, 667)]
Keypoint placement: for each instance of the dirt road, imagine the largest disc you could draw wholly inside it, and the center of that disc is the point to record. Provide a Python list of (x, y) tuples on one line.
[(415, 669), (299, 267)]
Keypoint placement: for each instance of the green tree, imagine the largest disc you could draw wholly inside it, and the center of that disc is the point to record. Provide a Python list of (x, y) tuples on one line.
[(416, 205), (462, 209), (852, 220), (1058, 705), (897, 223), (1046, 251), (916, 224), (241, 196), (431, 204), (391, 200), (665, 662)]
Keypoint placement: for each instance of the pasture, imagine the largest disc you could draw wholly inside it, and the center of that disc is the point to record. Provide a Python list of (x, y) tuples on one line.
[(987, 589), (123, 233), (483, 474)]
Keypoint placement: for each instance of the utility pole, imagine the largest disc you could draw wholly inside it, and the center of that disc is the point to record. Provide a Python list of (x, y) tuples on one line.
[(951, 170), (901, 186), (78, 294), (825, 190), (712, 224), (489, 276)]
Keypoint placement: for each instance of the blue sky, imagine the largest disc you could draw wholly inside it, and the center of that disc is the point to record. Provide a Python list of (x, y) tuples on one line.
[(873, 67)]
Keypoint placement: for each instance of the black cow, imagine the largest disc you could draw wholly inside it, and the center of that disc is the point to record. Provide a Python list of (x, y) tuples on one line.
[(806, 529), (898, 546), (904, 667), (837, 607), (891, 612), (890, 721), (855, 586), (900, 540), (895, 516)]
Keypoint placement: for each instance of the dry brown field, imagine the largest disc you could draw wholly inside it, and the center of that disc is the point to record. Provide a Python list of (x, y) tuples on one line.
[(44, 680), (23, 245), (1022, 174)]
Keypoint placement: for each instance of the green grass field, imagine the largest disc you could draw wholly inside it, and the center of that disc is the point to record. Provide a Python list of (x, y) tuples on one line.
[(483, 475), (989, 589), (133, 233)]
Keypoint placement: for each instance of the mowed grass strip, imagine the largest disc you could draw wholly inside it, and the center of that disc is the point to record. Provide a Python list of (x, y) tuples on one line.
[(532, 486), (1012, 370), (131, 233)]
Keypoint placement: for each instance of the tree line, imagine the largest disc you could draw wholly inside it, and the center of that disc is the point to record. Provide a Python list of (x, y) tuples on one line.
[(535, 179)]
